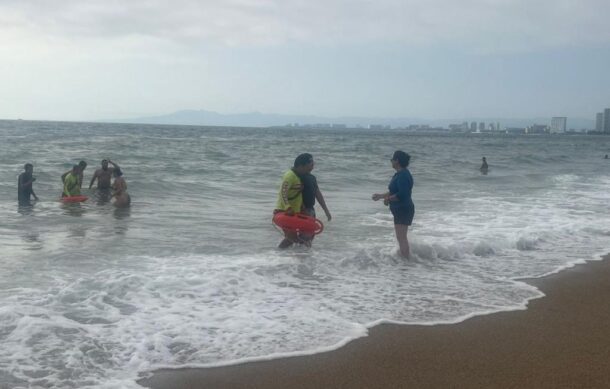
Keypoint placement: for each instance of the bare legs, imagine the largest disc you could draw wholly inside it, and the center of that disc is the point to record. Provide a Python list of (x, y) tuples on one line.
[(401, 236), (291, 237)]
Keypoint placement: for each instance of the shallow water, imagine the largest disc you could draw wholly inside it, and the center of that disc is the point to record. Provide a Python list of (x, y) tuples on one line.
[(91, 296)]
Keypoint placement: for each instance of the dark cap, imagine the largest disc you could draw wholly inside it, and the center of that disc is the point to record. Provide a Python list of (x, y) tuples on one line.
[(303, 159)]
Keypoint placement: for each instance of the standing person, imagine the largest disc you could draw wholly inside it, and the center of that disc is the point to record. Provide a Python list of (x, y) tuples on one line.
[(484, 167), (119, 187), (83, 166), (24, 185), (104, 175), (71, 180), (311, 192), (398, 197), (290, 196)]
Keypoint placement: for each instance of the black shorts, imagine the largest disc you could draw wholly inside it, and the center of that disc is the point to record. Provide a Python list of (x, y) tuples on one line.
[(403, 215)]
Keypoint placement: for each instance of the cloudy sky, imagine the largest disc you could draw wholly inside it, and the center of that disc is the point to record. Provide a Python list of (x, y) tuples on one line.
[(435, 59)]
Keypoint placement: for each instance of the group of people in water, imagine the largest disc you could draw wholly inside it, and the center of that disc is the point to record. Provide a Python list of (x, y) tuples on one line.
[(299, 191), (73, 182), (297, 194)]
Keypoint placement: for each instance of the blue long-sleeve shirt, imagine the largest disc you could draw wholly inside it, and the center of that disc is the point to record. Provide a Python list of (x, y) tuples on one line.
[(401, 185)]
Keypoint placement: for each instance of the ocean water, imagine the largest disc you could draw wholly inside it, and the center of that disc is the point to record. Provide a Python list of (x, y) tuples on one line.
[(190, 275)]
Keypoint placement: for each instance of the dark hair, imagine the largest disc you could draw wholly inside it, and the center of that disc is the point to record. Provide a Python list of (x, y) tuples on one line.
[(303, 160), (27, 165), (82, 164), (402, 158), (77, 167), (118, 172)]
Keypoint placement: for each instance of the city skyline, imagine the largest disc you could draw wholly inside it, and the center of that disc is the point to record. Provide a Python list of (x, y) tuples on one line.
[(94, 60)]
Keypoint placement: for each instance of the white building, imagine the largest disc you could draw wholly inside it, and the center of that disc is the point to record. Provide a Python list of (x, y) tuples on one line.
[(599, 121), (558, 124)]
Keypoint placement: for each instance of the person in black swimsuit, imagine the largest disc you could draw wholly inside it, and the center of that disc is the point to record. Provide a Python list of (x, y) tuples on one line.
[(311, 192), (398, 197), (24, 185)]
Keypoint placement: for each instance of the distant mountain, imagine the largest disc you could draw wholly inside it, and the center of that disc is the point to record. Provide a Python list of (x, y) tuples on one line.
[(257, 119)]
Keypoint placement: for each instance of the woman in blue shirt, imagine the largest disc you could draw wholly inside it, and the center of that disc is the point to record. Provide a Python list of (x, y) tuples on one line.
[(398, 197)]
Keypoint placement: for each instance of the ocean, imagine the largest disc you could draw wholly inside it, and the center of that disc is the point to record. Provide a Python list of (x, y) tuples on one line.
[(95, 297)]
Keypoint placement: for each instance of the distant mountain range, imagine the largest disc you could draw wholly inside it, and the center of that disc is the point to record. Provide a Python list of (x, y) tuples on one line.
[(257, 119)]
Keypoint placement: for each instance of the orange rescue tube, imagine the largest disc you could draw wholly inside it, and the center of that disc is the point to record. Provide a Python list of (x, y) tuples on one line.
[(298, 222), (74, 199)]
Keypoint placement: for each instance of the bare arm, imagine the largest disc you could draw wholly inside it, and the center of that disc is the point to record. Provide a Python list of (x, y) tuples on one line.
[(322, 203), (379, 196), (114, 165), (93, 179), (284, 191)]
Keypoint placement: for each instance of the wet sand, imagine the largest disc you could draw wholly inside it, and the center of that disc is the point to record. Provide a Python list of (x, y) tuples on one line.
[(561, 341)]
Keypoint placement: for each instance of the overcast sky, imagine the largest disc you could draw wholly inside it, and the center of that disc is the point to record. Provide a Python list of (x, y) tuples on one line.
[(434, 59)]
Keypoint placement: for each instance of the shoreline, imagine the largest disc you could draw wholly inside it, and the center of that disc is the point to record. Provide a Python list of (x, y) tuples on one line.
[(561, 340)]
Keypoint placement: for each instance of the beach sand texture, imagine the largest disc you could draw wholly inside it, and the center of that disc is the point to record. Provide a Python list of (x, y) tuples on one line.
[(561, 341)]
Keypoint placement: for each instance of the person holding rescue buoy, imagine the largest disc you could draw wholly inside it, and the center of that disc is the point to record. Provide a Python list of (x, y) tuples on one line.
[(72, 182), (398, 197), (290, 196), (311, 192)]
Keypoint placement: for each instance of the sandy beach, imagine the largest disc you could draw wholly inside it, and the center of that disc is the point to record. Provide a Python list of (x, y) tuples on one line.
[(561, 341)]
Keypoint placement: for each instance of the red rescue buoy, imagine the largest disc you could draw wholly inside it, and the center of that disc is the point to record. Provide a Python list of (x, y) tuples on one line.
[(74, 199), (298, 222)]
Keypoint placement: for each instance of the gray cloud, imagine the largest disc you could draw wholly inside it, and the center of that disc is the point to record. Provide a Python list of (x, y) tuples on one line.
[(477, 24)]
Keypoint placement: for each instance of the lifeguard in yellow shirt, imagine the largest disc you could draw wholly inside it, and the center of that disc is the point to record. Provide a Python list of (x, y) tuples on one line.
[(290, 198), (72, 182)]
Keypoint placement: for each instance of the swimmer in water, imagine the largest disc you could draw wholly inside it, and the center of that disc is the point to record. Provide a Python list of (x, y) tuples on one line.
[(104, 175), (24, 185), (484, 167), (119, 187)]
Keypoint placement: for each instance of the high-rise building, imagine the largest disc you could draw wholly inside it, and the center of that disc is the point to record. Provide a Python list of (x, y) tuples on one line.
[(607, 120), (558, 124), (473, 126), (498, 126), (481, 126), (599, 122)]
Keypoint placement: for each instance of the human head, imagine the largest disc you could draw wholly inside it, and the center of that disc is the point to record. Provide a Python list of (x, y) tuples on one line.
[(117, 172), (105, 164), (82, 165), (401, 158), (303, 163), (29, 168), (75, 169), (484, 159)]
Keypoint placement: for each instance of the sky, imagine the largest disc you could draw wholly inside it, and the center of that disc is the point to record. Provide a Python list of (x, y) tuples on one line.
[(433, 59)]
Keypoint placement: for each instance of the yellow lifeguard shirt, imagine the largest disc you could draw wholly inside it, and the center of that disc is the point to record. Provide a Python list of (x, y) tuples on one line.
[(290, 189)]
